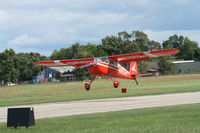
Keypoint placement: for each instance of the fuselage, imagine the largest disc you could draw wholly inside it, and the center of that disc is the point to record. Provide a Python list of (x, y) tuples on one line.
[(104, 69)]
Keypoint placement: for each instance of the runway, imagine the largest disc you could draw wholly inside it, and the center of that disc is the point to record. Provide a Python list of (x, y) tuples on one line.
[(49, 110)]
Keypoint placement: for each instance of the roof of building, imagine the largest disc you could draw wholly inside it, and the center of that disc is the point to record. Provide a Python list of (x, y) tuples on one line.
[(68, 75), (182, 61)]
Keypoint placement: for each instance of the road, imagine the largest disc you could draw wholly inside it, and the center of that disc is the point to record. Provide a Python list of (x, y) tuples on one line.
[(49, 110)]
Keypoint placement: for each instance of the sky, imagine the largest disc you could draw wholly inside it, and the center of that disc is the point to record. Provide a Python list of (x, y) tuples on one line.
[(46, 25)]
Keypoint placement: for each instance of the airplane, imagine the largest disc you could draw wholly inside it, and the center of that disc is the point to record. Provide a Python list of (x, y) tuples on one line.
[(123, 66)]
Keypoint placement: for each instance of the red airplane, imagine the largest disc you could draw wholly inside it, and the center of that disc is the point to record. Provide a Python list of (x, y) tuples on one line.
[(111, 66)]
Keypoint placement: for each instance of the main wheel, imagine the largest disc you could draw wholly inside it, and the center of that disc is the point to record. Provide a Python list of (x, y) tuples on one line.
[(116, 84), (87, 86)]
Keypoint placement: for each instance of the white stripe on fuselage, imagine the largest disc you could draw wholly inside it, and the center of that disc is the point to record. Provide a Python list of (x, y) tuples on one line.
[(107, 65)]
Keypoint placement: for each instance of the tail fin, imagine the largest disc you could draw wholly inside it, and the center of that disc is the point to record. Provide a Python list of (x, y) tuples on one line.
[(133, 69)]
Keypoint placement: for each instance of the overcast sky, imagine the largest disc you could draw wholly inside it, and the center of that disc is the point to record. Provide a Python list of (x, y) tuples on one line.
[(46, 25)]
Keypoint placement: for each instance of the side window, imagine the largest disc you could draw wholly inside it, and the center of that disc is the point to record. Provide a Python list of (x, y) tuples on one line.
[(115, 64), (106, 61), (111, 62)]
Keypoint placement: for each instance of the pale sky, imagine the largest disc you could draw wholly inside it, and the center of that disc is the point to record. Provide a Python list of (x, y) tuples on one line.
[(46, 25)]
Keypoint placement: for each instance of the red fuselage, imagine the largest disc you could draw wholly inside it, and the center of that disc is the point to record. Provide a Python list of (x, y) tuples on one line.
[(104, 69)]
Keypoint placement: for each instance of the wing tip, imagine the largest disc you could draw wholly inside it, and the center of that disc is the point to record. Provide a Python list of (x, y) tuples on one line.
[(174, 50), (165, 52)]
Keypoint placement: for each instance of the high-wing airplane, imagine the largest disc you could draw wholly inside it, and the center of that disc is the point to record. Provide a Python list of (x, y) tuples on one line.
[(117, 66)]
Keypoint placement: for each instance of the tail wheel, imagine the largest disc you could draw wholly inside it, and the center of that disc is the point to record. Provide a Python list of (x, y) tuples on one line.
[(116, 84), (87, 86)]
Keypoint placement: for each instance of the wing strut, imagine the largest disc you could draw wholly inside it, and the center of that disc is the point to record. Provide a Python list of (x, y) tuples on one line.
[(135, 78)]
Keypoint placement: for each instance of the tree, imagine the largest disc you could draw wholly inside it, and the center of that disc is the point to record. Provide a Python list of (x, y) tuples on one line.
[(125, 42), (197, 54), (142, 39), (112, 45), (7, 65), (153, 45), (174, 41), (188, 48), (142, 67), (18, 67), (164, 64)]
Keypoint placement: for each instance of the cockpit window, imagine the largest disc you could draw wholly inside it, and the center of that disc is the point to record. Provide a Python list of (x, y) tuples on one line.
[(113, 63), (106, 60), (101, 59)]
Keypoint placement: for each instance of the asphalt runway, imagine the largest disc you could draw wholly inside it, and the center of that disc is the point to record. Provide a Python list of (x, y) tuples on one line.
[(49, 110)]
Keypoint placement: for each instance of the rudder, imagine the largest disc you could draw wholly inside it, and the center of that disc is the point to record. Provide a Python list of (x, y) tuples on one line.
[(133, 69)]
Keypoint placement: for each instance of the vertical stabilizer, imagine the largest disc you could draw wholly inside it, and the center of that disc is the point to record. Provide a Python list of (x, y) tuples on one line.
[(133, 69)]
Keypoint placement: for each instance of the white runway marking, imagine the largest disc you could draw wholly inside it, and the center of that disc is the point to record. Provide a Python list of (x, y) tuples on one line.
[(49, 110)]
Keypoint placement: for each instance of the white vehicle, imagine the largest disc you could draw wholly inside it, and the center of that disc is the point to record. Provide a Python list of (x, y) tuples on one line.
[(10, 84)]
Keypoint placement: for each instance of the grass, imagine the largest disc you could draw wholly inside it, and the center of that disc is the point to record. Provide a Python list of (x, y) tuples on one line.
[(172, 119), (57, 92)]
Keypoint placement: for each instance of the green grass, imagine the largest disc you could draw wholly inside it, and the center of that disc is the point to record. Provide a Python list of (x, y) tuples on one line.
[(172, 119), (57, 92)]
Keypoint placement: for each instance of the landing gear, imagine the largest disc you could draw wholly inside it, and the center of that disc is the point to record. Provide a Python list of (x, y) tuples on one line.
[(135, 78), (136, 81), (87, 85), (115, 83)]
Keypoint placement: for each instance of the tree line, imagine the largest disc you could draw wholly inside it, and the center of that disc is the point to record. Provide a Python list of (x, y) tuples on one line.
[(18, 67)]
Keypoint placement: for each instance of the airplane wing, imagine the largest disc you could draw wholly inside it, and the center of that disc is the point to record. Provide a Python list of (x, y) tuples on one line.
[(124, 58), (70, 62)]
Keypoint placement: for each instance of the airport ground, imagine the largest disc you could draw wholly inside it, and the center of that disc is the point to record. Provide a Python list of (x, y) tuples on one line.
[(170, 119), (70, 91), (175, 119)]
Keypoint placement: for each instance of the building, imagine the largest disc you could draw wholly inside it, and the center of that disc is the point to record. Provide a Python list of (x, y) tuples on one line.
[(50, 73), (70, 77), (178, 67), (182, 66), (152, 68)]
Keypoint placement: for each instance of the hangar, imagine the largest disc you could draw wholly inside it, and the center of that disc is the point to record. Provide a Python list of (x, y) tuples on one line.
[(182, 66)]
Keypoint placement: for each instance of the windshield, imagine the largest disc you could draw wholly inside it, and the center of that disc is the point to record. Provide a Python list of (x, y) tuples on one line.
[(101, 59)]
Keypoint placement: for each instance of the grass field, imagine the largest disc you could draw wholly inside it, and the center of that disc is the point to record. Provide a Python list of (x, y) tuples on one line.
[(172, 119), (56, 92)]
